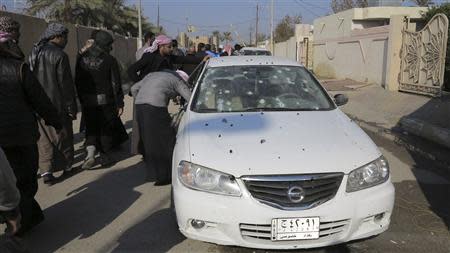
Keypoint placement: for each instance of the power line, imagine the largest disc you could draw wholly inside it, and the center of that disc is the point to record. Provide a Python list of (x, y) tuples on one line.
[(307, 8)]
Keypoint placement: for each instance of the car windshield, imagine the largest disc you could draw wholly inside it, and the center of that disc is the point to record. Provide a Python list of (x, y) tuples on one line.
[(259, 88)]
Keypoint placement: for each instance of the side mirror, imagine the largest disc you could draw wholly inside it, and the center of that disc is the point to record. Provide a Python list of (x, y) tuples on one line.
[(340, 99)]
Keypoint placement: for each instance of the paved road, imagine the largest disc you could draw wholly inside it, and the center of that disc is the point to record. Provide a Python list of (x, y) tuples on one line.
[(116, 210)]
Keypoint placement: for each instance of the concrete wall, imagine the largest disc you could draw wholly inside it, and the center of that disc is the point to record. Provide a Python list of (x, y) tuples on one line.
[(359, 43), (362, 56), (124, 49), (287, 49)]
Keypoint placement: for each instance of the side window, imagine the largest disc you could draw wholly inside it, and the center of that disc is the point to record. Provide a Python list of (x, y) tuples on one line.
[(193, 78)]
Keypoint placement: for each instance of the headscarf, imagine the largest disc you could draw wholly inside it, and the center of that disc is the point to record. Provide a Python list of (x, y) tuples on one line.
[(159, 41), (53, 30), (228, 49), (9, 47), (183, 75), (8, 25), (104, 40)]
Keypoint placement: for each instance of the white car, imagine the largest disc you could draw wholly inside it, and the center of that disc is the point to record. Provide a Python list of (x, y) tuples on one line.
[(265, 159), (254, 51)]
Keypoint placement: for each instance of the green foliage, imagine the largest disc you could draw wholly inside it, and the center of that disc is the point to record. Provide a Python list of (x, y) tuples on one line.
[(286, 28), (342, 5), (113, 14), (444, 9)]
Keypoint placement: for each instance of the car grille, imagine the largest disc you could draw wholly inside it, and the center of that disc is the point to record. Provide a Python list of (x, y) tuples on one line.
[(277, 191), (264, 232)]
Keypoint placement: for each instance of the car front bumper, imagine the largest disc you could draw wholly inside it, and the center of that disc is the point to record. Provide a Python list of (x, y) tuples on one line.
[(243, 221)]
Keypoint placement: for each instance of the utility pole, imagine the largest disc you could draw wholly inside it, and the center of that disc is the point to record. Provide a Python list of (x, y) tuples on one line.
[(272, 46), (251, 38), (256, 28), (140, 23), (157, 22)]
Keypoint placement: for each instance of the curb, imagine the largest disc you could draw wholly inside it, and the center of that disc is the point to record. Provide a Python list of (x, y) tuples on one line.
[(427, 131), (401, 137)]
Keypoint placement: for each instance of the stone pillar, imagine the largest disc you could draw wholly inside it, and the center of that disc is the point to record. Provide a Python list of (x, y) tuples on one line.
[(397, 24)]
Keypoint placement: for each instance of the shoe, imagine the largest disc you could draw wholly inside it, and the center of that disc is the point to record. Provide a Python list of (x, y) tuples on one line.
[(49, 179), (106, 161), (88, 163), (68, 169), (163, 182)]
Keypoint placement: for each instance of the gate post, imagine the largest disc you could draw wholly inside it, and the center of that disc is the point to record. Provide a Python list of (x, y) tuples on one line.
[(396, 26)]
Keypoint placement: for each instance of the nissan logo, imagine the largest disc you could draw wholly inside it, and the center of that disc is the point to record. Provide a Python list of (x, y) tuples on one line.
[(296, 194)]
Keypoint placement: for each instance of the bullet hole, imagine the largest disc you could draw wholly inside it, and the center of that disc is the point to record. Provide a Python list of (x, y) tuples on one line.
[(220, 136), (206, 124), (242, 115), (193, 154), (231, 151), (281, 127), (303, 149), (224, 120), (262, 113), (231, 125), (263, 141), (279, 157), (298, 114)]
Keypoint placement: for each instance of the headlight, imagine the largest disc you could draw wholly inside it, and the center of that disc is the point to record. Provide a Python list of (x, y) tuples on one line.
[(200, 178), (374, 173)]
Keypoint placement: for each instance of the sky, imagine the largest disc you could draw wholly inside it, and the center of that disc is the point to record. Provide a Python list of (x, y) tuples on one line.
[(236, 16)]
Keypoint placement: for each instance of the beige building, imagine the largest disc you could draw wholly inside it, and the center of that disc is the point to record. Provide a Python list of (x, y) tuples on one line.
[(199, 39), (359, 43)]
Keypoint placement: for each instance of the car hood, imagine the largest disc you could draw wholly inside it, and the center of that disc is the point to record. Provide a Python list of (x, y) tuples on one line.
[(271, 143)]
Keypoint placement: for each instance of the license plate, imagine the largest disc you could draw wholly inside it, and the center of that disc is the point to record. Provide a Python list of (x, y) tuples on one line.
[(295, 229)]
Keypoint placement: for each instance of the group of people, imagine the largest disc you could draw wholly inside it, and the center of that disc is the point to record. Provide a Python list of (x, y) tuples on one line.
[(38, 103)]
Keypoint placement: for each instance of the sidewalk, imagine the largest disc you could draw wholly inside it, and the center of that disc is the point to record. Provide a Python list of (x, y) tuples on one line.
[(397, 115)]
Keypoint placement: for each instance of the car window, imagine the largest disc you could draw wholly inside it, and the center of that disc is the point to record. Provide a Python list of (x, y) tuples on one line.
[(254, 88), (195, 74)]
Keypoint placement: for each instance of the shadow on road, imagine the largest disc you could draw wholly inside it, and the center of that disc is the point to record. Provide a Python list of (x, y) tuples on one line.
[(157, 233), (88, 209)]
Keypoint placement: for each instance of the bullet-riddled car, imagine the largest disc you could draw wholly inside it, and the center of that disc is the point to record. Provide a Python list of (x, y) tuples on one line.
[(266, 159)]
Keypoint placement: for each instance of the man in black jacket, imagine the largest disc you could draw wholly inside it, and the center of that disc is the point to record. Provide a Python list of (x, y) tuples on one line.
[(21, 96), (50, 64), (99, 88)]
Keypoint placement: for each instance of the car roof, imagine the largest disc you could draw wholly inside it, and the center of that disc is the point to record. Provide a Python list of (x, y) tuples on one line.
[(250, 60), (254, 49)]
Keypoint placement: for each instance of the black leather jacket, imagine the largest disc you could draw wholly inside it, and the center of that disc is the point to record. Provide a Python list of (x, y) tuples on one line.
[(52, 69), (21, 96), (98, 79)]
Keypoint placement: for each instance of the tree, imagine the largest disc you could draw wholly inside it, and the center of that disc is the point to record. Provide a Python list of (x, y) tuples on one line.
[(262, 37), (113, 15), (227, 36), (424, 3), (342, 5), (286, 28), (218, 34)]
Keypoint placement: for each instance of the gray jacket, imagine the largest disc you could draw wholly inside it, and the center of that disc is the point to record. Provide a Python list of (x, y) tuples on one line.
[(9, 195), (157, 88)]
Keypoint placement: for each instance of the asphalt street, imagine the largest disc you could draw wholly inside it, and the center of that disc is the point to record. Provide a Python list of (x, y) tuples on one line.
[(116, 210)]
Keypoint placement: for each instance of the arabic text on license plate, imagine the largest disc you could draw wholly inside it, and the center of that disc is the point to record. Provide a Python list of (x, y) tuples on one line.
[(295, 229)]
